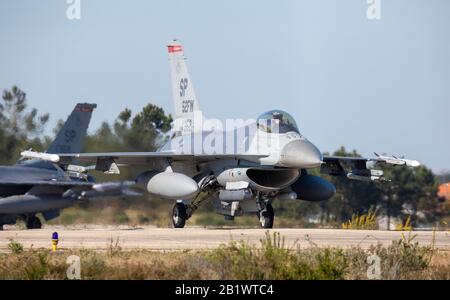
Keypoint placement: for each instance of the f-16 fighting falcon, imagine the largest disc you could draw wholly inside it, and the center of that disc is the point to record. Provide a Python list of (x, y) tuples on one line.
[(241, 168), (38, 184)]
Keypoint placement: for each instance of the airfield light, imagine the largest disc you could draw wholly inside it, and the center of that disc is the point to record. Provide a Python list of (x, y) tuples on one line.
[(55, 241)]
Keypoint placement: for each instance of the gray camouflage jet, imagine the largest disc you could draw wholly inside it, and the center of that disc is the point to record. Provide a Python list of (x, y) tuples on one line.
[(241, 169), (40, 185)]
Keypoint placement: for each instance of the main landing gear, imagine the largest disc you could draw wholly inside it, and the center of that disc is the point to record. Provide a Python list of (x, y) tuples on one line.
[(33, 222), (179, 215), (182, 212)]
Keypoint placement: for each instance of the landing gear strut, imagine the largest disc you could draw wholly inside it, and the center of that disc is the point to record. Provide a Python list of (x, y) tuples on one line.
[(266, 217), (33, 222), (182, 212), (265, 214)]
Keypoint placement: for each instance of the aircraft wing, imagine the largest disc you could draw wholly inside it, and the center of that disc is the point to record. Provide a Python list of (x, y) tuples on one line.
[(108, 161), (361, 168), (80, 189), (66, 184)]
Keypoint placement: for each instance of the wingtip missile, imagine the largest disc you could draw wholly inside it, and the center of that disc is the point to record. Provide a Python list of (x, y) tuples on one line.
[(54, 158), (394, 160), (412, 163)]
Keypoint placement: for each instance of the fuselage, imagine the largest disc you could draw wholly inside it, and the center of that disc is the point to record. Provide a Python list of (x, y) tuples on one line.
[(280, 149)]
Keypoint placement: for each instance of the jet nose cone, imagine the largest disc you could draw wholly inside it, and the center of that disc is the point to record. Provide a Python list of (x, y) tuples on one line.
[(300, 154)]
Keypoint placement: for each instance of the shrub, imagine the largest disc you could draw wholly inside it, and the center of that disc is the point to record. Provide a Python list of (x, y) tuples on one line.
[(269, 259), (366, 221), (15, 247)]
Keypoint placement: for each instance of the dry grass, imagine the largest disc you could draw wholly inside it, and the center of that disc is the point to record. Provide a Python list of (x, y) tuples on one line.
[(404, 259), (365, 221), (160, 217), (404, 226), (106, 213)]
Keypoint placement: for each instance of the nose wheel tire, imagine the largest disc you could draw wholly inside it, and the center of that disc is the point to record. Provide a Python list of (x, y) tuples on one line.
[(179, 215), (266, 217)]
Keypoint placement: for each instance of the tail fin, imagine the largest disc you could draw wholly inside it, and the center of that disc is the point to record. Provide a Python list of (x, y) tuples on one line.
[(70, 139), (185, 101)]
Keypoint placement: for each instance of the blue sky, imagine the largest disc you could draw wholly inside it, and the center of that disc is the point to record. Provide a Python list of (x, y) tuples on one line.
[(369, 85)]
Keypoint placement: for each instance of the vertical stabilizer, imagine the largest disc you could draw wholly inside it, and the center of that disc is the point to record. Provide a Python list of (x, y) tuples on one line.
[(71, 137), (185, 101)]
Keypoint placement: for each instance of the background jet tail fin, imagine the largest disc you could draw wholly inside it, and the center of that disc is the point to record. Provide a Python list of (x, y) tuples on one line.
[(185, 101), (71, 137)]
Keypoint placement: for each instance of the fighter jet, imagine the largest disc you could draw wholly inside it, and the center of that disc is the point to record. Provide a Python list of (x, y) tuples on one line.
[(242, 169), (38, 184)]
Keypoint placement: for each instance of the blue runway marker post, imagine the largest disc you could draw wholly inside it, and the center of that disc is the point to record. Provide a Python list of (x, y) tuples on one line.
[(55, 241)]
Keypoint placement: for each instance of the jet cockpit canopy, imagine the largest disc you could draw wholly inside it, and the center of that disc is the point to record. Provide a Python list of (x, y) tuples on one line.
[(276, 120)]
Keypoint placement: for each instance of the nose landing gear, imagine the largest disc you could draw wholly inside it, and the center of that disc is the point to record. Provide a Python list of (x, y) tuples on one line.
[(265, 211), (266, 216)]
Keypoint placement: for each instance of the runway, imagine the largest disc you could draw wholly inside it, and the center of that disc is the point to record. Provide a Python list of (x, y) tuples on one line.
[(167, 239)]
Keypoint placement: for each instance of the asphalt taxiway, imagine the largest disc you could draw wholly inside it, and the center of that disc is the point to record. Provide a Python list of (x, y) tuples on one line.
[(162, 239)]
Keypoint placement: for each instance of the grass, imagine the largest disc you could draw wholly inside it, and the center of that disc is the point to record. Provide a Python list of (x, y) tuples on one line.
[(404, 226), (365, 221), (107, 213), (271, 259), (15, 247), (142, 215)]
